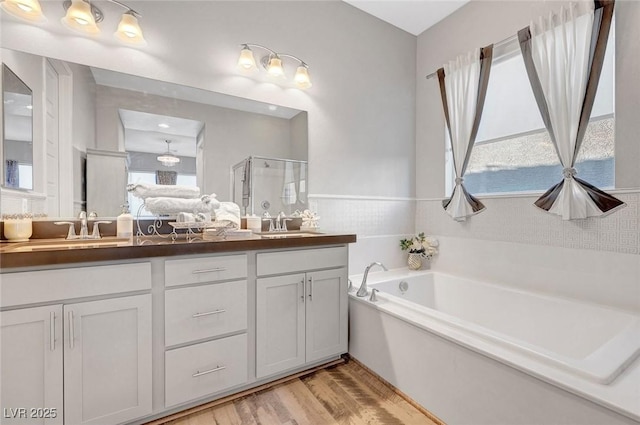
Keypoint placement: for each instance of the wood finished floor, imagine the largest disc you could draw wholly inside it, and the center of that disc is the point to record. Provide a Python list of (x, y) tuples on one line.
[(346, 394)]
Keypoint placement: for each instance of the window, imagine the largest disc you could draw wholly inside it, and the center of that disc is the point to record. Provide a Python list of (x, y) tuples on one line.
[(513, 151), (25, 171)]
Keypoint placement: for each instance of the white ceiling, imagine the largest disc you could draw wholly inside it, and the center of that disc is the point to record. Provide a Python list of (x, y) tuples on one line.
[(144, 134), (175, 91), (413, 16)]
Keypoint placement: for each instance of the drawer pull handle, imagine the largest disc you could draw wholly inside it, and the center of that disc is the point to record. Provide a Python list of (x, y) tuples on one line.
[(72, 333), (52, 331), (206, 372), (215, 269), (208, 313)]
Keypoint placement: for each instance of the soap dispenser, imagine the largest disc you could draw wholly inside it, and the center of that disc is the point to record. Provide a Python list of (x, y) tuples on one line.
[(125, 223)]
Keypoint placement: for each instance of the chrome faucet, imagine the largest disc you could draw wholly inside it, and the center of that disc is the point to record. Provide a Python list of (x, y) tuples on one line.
[(84, 229), (363, 291), (281, 222)]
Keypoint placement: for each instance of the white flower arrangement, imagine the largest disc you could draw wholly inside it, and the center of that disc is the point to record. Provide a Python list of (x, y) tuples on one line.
[(425, 246), (309, 219)]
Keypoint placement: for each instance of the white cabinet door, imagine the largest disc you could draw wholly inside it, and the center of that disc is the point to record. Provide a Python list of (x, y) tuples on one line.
[(326, 316), (280, 325), (31, 365), (107, 360)]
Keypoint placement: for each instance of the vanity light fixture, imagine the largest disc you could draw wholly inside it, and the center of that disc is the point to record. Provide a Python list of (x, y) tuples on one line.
[(28, 10), (129, 29), (81, 16), (168, 159), (272, 62)]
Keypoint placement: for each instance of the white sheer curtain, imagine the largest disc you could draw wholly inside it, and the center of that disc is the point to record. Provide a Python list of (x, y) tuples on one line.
[(463, 86), (561, 53)]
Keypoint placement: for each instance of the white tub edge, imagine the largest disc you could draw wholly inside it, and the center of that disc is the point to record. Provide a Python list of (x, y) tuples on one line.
[(618, 396)]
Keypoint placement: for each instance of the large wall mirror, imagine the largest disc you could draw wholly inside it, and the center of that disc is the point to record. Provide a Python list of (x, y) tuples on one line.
[(17, 132), (113, 129)]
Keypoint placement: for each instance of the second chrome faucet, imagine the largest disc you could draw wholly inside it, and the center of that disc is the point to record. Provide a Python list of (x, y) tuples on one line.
[(363, 291), (84, 227)]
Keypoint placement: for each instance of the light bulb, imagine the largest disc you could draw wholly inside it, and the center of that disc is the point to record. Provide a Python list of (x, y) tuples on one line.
[(129, 30), (302, 78), (246, 59), (80, 18), (28, 10), (274, 68)]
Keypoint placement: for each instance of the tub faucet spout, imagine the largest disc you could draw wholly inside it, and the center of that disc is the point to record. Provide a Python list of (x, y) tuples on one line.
[(363, 291)]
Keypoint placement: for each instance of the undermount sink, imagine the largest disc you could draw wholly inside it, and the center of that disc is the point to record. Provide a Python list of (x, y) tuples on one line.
[(46, 244), (287, 235)]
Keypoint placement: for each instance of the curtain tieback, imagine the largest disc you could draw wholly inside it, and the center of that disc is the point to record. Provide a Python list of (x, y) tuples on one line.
[(569, 172), (459, 180)]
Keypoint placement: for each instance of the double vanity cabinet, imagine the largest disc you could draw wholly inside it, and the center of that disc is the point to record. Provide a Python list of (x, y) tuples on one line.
[(126, 341)]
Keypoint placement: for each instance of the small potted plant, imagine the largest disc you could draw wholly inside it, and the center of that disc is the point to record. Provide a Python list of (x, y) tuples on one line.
[(420, 247)]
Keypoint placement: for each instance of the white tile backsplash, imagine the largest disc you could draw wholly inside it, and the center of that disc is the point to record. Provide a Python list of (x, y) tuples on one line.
[(517, 220), (378, 223), (11, 202), (365, 216), (602, 277)]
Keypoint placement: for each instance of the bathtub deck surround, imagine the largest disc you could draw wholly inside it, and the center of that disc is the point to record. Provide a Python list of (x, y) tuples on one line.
[(585, 349)]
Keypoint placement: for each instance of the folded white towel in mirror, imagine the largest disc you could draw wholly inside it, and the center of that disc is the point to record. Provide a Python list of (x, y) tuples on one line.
[(185, 217), (229, 212), (147, 190), (174, 206)]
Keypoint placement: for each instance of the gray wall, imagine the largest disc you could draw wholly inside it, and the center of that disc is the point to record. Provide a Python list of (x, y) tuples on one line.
[(148, 162), (18, 150), (84, 107), (299, 126), (229, 135), (83, 121), (361, 107)]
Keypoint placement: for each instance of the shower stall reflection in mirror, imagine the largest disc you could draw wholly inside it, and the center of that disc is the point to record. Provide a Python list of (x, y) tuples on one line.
[(261, 184)]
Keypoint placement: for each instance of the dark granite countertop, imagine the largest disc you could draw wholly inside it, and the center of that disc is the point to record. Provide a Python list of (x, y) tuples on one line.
[(42, 252)]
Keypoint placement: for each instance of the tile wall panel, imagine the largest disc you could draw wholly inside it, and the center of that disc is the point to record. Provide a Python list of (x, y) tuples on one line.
[(517, 220), (365, 217)]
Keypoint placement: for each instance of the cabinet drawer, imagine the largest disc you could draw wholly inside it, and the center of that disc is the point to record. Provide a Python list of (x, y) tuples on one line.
[(280, 262), (205, 311), (202, 369), (59, 284), (205, 269)]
